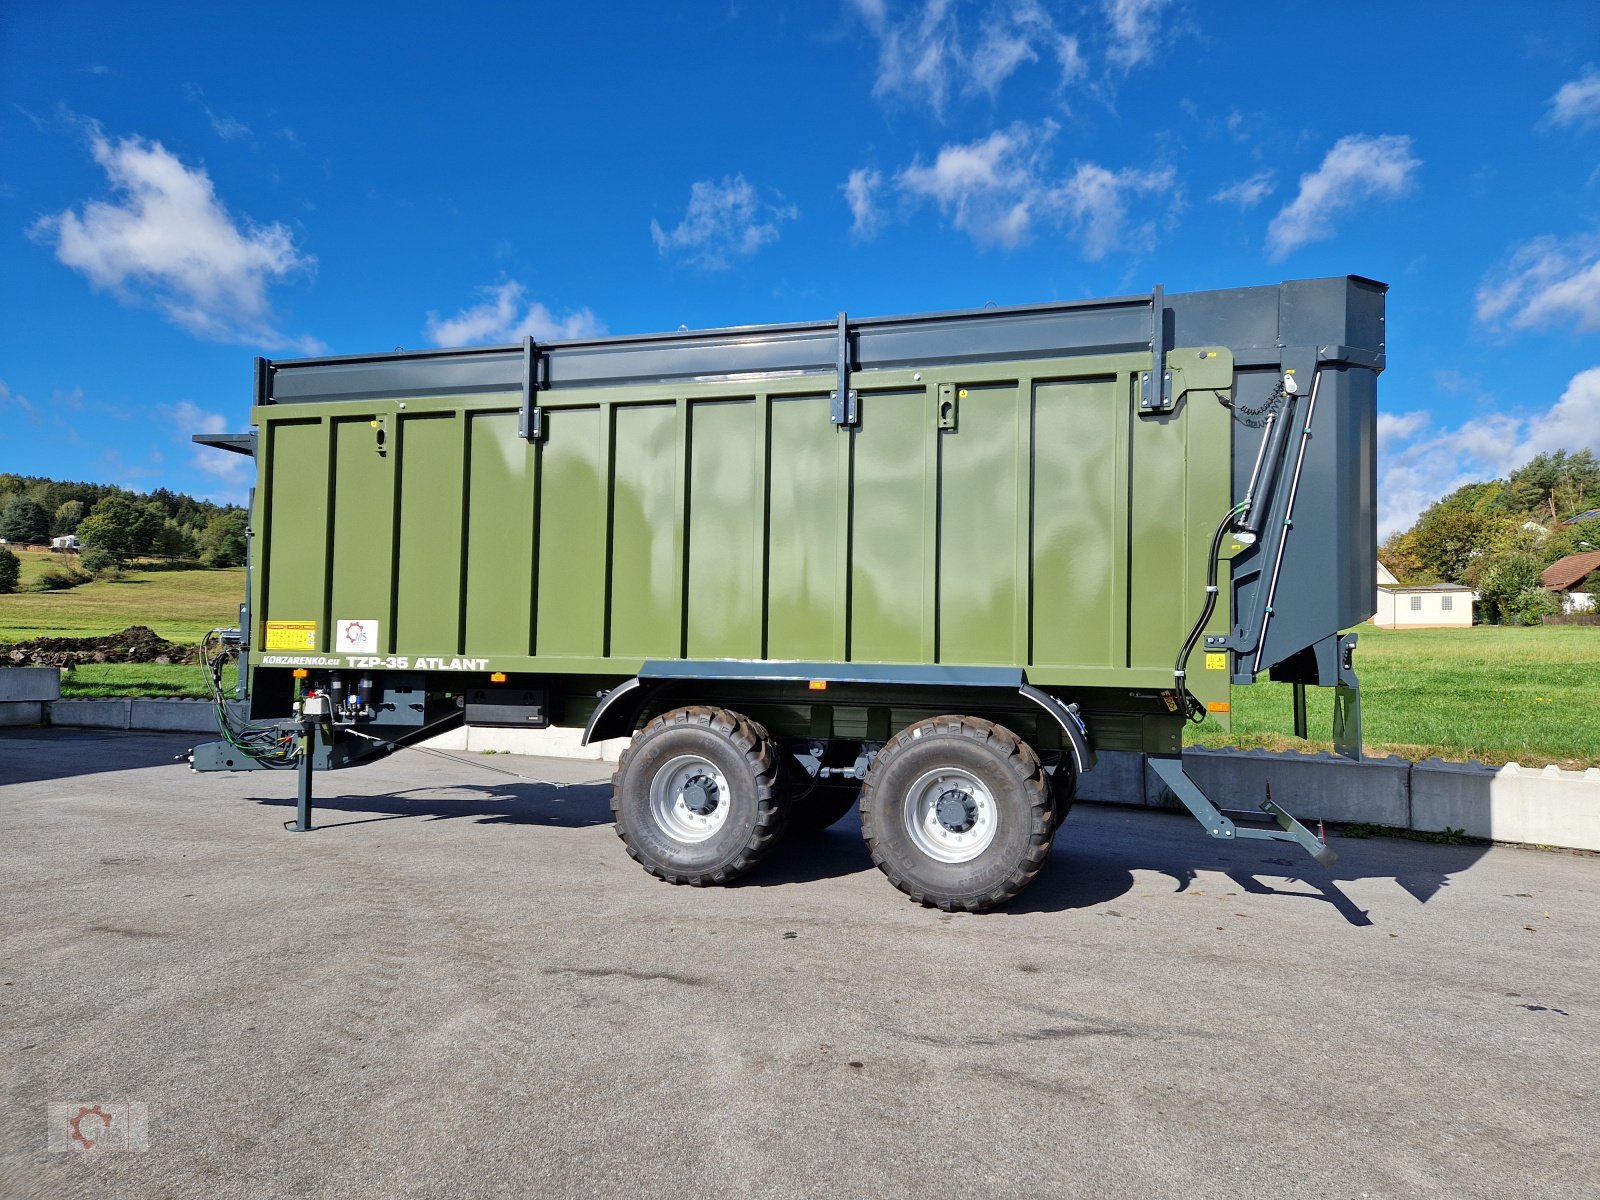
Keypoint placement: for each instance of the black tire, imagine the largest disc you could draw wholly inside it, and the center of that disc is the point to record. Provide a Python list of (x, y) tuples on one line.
[(738, 773), (991, 776), (826, 803)]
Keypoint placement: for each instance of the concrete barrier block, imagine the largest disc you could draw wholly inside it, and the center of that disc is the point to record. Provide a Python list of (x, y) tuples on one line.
[(181, 716), (30, 683), (92, 714), (454, 739), (21, 712), (1117, 778), (554, 742), (1310, 786), (1548, 807)]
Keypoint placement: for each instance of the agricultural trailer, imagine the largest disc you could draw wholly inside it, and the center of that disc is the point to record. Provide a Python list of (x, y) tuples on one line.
[(929, 563)]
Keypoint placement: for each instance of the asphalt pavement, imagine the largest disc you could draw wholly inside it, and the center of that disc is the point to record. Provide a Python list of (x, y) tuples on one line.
[(460, 985)]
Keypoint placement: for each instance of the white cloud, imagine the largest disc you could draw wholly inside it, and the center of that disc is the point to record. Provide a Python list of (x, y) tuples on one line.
[(926, 46), (1134, 32), (1002, 50), (1577, 102), (861, 191), (186, 419), (503, 318), (989, 188), (999, 189), (1572, 423), (1397, 427), (1356, 169), (1097, 200), (725, 220), (167, 238), (227, 128), (16, 400), (1419, 464), (1547, 282), (1247, 193), (190, 418)]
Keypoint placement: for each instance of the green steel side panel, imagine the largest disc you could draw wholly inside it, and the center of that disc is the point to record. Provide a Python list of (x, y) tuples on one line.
[(1181, 466), (806, 496), (645, 540), (294, 550), (572, 534), (428, 590), (727, 453), (500, 515), (1161, 575), (1079, 490), (890, 555), (363, 501), (979, 525)]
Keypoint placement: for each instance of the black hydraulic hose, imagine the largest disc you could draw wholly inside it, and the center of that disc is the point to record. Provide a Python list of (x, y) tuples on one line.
[(1193, 710)]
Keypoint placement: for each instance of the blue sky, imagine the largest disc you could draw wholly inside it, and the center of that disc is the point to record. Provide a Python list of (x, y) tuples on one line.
[(183, 187)]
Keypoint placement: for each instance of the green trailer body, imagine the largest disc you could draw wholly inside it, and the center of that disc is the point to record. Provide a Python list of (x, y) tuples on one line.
[(837, 529)]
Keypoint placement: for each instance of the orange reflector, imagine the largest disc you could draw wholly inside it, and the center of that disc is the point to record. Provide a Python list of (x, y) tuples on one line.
[(818, 685), (498, 677), (301, 672), (1215, 707)]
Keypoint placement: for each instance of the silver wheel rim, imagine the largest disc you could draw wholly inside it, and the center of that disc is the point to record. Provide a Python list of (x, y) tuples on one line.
[(689, 798), (951, 815)]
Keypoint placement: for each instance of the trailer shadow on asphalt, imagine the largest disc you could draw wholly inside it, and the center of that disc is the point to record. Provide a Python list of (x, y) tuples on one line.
[(571, 806), (1101, 848), (1097, 859)]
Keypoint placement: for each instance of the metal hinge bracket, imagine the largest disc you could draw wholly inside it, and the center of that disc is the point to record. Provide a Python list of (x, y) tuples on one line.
[(535, 377), (844, 409)]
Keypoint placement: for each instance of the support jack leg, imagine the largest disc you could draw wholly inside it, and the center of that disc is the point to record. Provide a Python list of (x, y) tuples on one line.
[(308, 745)]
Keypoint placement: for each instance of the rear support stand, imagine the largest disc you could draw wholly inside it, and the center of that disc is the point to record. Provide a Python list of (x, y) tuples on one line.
[(308, 748), (1347, 703), (1170, 771)]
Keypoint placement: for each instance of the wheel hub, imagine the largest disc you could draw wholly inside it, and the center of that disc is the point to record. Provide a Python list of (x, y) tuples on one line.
[(957, 811), (700, 795), (951, 815), (689, 798)]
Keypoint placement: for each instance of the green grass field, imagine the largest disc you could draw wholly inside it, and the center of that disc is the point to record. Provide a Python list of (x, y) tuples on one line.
[(1498, 694), (98, 680), (1501, 695), (180, 605)]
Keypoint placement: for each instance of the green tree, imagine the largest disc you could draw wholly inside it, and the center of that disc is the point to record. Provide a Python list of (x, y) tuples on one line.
[(10, 571), (1399, 553), (175, 541), (112, 528), (223, 542), (99, 562), (1449, 539), (68, 517), (24, 520), (1504, 583), (1533, 604), (1555, 483)]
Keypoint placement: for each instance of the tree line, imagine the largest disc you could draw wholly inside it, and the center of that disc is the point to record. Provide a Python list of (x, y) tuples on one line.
[(1498, 535), (115, 525)]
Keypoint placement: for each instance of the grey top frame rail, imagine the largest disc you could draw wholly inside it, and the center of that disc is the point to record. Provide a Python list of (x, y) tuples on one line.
[(1263, 318)]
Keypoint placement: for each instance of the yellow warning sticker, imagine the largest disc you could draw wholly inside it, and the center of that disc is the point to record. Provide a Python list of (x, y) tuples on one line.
[(291, 635), (1216, 662)]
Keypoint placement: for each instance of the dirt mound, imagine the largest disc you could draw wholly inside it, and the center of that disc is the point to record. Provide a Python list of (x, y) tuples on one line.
[(136, 644)]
